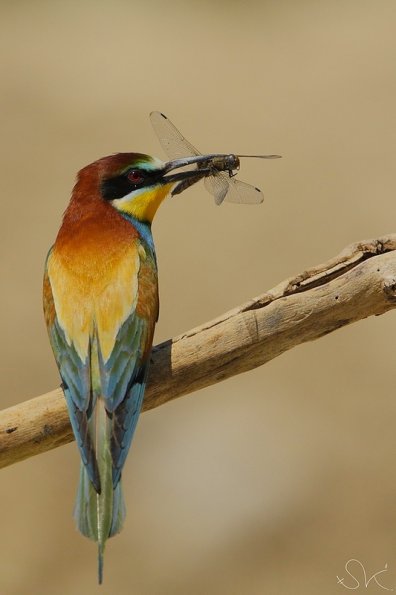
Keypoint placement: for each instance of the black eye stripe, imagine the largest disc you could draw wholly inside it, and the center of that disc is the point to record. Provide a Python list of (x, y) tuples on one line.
[(120, 186), (116, 188)]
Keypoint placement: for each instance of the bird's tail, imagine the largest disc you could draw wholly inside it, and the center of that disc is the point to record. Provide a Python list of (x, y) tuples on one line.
[(100, 515)]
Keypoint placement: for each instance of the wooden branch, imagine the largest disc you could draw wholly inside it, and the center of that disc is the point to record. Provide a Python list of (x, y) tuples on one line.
[(359, 282)]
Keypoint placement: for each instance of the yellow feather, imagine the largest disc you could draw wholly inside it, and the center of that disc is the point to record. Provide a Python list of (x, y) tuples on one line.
[(143, 206), (104, 302)]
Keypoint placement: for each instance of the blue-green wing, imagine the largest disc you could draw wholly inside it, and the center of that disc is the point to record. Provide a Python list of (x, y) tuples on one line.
[(76, 384), (123, 381)]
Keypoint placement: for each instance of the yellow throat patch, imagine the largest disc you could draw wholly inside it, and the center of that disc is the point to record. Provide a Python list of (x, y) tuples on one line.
[(143, 204)]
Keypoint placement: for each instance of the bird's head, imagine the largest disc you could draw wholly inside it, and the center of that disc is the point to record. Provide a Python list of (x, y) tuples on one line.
[(135, 184)]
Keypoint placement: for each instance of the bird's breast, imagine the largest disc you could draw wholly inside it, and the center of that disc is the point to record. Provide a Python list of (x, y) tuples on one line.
[(94, 282)]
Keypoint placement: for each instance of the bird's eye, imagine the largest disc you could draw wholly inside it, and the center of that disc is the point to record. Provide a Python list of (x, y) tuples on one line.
[(135, 176)]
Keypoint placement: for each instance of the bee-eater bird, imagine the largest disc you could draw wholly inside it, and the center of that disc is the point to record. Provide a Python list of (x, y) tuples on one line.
[(101, 306)]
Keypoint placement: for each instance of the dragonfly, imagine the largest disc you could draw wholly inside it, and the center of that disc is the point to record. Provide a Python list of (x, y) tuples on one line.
[(221, 168)]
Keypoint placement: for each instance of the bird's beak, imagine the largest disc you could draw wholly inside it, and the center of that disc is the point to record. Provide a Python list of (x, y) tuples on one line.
[(189, 177), (201, 160)]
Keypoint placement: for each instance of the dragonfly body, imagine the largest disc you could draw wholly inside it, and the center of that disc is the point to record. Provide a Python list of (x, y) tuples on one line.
[(224, 163), (218, 162), (219, 180)]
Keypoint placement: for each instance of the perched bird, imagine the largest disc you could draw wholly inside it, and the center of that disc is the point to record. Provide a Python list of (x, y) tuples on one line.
[(101, 306)]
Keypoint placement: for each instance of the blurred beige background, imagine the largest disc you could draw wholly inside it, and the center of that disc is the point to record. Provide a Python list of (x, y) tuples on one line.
[(271, 481)]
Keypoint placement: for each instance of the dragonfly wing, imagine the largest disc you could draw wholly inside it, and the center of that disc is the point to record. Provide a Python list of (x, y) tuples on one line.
[(172, 141), (222, 187), (218, 186), (240, 192)]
